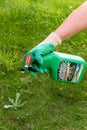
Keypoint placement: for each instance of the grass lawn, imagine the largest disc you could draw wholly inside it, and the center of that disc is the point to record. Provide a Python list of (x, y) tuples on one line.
[(50, 105)]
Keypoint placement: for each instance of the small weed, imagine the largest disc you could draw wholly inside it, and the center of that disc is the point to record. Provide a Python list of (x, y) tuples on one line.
[(15, 103)]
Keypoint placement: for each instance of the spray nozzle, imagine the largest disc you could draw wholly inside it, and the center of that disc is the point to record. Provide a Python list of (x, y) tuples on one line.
[(27, 65), (30, 69)]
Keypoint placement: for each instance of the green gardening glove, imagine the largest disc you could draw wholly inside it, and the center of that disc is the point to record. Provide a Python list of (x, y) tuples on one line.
[(34, 58)]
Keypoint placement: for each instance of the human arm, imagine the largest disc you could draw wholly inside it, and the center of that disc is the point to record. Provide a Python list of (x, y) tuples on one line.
[(74, 23)]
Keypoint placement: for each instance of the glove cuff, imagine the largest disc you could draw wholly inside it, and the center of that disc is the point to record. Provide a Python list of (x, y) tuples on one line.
[(53, 38)]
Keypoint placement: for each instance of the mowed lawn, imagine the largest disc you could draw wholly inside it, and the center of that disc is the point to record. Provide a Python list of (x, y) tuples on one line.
[(48, 104)]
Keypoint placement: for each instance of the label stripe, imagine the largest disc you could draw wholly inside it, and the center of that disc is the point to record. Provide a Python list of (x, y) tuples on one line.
[(28, 60)]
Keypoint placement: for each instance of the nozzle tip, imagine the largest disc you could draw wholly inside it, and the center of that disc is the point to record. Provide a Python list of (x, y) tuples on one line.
[(22, 70)]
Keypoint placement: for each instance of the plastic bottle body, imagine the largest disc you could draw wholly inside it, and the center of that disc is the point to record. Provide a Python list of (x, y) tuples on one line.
[(64, 67)]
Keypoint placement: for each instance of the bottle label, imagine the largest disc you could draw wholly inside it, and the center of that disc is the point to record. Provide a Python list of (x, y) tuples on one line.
[(69, 71)]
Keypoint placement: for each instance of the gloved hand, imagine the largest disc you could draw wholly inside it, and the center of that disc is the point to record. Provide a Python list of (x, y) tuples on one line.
[(37, 53)]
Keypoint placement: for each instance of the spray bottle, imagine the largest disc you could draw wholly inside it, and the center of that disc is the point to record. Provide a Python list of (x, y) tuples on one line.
[(62, 67)]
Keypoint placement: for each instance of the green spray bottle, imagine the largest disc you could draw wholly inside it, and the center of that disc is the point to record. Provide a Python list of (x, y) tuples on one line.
[(62, 67)]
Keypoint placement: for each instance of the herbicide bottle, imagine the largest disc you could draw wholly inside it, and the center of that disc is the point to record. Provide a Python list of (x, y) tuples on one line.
[(64, 67)]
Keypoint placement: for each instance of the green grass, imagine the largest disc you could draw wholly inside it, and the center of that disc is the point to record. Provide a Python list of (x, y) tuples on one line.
[(50, 105)]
